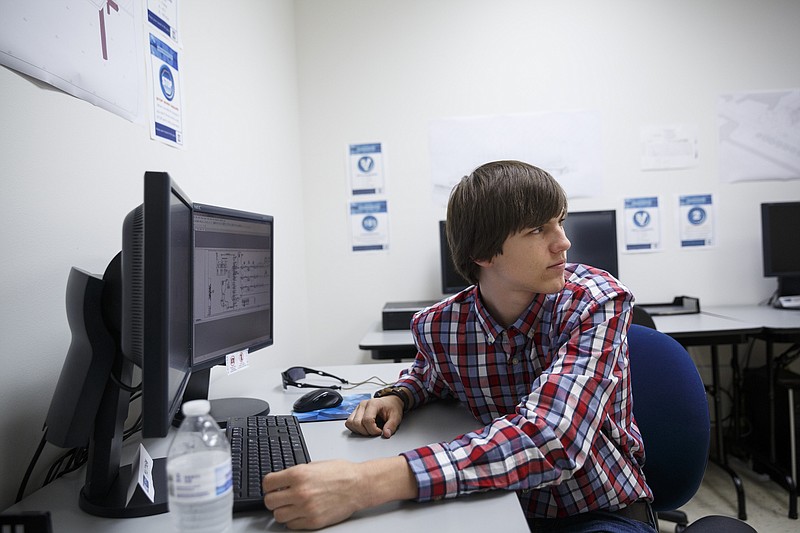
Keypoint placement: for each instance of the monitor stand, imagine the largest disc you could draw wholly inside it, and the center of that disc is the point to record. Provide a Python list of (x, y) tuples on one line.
[(221, 408)]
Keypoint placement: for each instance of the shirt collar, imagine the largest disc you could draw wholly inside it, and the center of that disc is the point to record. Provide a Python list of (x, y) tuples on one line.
[(524, 324)]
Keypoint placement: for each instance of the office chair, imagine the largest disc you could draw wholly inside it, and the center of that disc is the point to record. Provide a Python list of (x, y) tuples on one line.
[(671, 410), (642, 317)]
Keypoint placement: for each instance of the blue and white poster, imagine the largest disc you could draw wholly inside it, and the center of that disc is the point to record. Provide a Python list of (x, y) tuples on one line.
[(166, 122), (696, 220), (369, 226), (642, 224), (365, 169), (163, 16)]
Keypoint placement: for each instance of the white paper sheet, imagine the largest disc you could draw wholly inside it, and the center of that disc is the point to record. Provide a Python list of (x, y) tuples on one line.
[(566, 143), (759, 136), (89, 49)]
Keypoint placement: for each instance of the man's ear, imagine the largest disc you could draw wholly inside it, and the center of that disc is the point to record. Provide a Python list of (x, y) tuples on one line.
[(482, 262)]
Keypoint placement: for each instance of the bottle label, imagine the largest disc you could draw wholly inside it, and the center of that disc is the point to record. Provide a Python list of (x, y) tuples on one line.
[(188, 483)]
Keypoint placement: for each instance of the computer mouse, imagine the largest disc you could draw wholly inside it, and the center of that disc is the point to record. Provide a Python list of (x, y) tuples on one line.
[(317, 399)]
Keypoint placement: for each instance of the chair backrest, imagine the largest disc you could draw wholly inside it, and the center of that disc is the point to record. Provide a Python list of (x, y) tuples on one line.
[(642, 317), (671, 410)]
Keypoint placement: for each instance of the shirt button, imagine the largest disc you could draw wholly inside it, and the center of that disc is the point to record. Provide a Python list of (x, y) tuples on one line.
[(514, 361)]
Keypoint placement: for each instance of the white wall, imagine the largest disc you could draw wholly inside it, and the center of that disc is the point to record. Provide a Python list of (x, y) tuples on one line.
[(381, 70), (69, 172), (314, 75)]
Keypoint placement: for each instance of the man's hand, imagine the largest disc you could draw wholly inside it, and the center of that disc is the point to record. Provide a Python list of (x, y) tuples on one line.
[(378, 416), (321, 493)]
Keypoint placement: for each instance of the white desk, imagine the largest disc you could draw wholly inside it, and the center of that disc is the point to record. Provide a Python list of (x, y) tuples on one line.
[(777, 320), (325, 440), (386, 344), (778, 325)]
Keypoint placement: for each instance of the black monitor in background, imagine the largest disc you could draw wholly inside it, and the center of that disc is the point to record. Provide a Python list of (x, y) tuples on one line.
[(137, 314), (780, 239), (452, 281), (233, 298), (593, 235)]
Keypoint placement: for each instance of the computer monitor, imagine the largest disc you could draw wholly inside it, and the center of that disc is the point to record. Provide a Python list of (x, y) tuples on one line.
[(593, 235), (233, 298), (138, 314), (780, 240), (452, 281)]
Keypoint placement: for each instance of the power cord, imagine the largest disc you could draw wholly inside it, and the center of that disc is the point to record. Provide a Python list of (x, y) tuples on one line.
[(373, 380)]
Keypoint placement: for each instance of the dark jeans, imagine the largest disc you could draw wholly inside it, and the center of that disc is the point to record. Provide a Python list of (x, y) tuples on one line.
[(593, 522)]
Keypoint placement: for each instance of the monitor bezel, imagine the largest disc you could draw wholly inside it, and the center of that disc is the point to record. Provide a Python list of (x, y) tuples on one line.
[(158, 359), (770, 237), (451, 281), (612, 213)]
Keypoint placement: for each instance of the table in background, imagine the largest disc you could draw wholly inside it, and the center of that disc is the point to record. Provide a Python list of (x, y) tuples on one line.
[(777, 326), (703, 329), (325, 440)]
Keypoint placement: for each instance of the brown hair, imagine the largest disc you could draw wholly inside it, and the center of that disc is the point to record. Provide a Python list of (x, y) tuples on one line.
[(498, 199)]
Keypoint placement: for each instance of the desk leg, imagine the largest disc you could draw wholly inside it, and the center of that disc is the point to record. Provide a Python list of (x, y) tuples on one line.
[(789, 480), (722, 457), (736, 393), (771, 402), (793, 452)]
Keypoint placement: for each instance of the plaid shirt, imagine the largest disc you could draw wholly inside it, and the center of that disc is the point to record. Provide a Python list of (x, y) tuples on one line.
[(554, 393)]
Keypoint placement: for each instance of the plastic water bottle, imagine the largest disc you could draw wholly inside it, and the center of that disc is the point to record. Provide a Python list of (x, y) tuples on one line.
[(199, 473)]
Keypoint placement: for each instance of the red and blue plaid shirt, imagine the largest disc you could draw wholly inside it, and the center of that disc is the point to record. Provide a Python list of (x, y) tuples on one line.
[(553, 390)]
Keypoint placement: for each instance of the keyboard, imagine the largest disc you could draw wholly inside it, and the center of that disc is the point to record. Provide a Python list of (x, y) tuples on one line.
[(260, 445)]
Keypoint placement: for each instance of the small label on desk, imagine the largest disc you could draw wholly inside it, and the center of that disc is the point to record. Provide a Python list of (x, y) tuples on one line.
[(142, 475), (237, 361)]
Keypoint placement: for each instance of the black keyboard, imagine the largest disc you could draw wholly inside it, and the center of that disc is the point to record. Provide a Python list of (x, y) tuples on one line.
[(260, 445)]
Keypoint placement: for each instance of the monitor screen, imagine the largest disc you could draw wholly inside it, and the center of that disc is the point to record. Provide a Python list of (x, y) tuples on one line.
[(232, 299), (780, 238), (593, 235), (232, 283), (780, 242), (452, 281)]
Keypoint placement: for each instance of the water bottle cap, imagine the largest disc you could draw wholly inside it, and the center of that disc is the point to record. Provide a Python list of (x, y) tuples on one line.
[(196, 408)]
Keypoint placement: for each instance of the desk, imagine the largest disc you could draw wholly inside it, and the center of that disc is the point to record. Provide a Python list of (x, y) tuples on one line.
[(395, 344), (325, 440), (703, 329), (778, 325)]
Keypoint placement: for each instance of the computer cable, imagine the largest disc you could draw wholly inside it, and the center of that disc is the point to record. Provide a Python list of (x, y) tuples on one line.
[(31, 465)]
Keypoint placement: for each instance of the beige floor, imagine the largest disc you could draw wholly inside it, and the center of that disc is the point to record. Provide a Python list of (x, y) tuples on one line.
[(767, 503)]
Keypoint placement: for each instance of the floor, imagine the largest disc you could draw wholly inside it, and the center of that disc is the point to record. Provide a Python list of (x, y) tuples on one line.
[(767, 503)]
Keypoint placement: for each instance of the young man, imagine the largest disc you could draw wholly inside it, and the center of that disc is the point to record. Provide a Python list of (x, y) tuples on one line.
[(537, 351)]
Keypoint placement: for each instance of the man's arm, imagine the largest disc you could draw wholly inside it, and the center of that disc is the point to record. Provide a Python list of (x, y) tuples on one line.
[(322, 493)]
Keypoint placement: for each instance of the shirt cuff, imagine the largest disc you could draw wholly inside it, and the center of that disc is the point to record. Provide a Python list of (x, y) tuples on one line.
[(435, 471)]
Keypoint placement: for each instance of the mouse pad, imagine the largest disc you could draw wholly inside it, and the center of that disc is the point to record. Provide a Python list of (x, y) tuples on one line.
[(340, 412)]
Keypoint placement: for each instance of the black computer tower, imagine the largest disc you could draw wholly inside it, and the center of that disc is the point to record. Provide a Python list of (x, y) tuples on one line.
[(756, 407), (398, 315)]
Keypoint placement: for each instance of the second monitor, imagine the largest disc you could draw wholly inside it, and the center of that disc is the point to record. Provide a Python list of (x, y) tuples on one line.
[(232, 298)]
